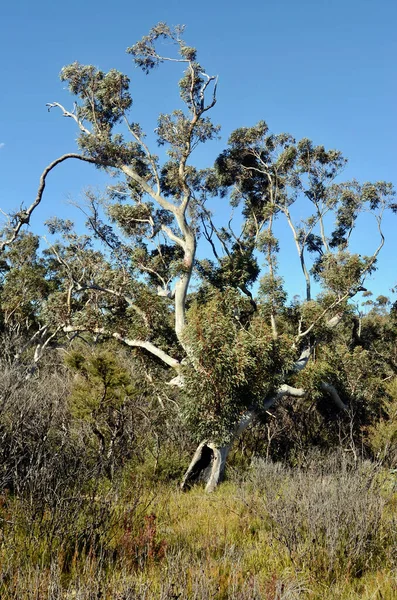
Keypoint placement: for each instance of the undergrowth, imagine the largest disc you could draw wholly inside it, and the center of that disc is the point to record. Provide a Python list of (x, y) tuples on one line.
[(326, 531)]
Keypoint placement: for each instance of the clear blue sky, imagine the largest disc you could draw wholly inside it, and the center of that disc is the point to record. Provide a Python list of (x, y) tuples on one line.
[(315, 68)]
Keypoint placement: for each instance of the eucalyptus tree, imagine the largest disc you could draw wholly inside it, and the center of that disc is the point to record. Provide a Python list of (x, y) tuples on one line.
[(229, 352)]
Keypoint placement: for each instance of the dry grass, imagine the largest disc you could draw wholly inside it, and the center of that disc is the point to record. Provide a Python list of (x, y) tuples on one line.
[(66, 532), (276, 534)]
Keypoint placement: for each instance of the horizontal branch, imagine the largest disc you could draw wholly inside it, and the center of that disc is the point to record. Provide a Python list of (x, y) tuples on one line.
[(283, 390), (288, 390), (166, 358)]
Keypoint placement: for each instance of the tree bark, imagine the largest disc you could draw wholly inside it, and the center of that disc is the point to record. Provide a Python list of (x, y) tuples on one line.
[(209, 460)]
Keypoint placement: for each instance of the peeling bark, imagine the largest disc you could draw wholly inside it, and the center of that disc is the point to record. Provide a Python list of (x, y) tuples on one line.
[(206, 465)]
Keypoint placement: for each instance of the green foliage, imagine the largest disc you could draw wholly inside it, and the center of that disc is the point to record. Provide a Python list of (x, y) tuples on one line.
[(382, 436), (238, 269), (161, 265), (144, 51), (237, 364), (342, 272), (174, 129), (102, 386), (103, 396), (351, 198), (105, 96), (24, 284), (272, 292)]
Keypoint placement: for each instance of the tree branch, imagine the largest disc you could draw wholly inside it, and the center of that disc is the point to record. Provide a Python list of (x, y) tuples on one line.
[(146, 188), (331, 390), (172, 236), (128, 300), (23, 217), (166, 358), (67, 113), (331, 322)]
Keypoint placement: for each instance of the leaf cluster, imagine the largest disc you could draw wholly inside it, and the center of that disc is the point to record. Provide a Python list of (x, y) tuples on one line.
[(233, 367)]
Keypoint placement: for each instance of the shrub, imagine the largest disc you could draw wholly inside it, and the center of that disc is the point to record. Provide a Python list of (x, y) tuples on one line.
[(330, 517), (382, 437)]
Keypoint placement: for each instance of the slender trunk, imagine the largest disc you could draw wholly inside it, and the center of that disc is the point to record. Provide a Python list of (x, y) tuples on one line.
[(271, 272), (182, 285), (300, 250)]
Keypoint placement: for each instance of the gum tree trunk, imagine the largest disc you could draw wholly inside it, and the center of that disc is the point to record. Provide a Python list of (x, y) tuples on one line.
[(209, 460)]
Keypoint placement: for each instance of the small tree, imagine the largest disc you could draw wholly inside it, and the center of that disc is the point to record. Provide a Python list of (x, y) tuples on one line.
[(232, 353)]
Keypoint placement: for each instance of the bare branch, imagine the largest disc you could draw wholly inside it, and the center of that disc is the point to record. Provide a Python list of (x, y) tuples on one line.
[(67, 113), (23, 217), (208, 236), (164, 283), (147, 152), (39, 351), (203, 89), (379, 248), (300, 248), (166, 358), (334, 395)]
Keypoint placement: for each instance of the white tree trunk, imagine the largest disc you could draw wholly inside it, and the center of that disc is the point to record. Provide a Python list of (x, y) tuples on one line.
[(209, 460)]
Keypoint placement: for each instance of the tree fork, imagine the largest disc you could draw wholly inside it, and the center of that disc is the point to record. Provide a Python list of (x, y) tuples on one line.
[(209, 460)]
